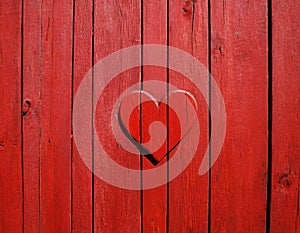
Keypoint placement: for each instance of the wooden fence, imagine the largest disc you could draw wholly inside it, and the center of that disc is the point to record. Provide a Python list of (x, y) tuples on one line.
[(251, 48)]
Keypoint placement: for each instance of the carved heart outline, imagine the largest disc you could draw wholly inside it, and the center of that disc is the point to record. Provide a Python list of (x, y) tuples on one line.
[(144, 151)]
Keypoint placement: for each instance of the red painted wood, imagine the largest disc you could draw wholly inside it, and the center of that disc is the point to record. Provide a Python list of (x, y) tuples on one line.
[(154, 32), (286, 117), (10, 117), (81, 176), (58, 187), (117, 25), (32, 67), (239, 65), (189, 192), (56, 96)]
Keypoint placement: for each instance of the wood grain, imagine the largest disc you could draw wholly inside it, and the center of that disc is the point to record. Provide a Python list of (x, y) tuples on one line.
[(82, 209), (286, 117), (32, 77), (154, 201), (56, 105), (189, 192), (10, 117), (240, 67), (252, 49), (116, 26)]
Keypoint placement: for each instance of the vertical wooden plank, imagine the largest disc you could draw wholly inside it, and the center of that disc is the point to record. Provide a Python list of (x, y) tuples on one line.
[(239, 65), (10, 117), (56, 96), (154, 201), (286, 117), (82, 61), (189, 192), (31, 120), (116, 26)]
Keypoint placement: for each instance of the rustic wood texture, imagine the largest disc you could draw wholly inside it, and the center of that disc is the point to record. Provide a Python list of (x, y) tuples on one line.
[(239, 47), (285, 196), (188, 197), (32, 77), (55, 114), (154, 201), (116, 25), (252, 49), (10, 129), (82, 197)]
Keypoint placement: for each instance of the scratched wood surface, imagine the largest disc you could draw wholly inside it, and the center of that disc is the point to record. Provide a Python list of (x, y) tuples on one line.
[(81, 193), (115, 209), (239, 64), (154, 201), (55, 112), (250, 47), (285, 184), (188, 195), (11, 132), (32, 70)]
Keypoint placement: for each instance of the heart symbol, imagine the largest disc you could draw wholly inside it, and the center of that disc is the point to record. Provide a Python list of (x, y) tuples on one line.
[(154, 160)]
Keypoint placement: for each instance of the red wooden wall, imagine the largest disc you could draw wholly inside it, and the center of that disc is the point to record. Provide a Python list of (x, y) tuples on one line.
[(250, 47)]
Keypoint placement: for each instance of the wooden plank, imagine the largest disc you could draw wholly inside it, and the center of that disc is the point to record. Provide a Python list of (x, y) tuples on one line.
[(32, 65), (188, 198), (286, 117), (81, 175), (239, 65), (56, 99), (116, 26), (154, 201), (10, 117)]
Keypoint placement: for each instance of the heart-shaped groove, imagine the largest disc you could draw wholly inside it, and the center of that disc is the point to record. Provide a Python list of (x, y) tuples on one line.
[(143, 151)]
